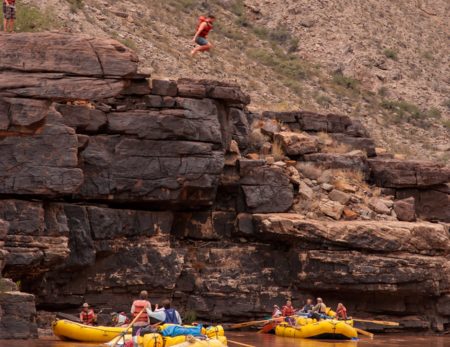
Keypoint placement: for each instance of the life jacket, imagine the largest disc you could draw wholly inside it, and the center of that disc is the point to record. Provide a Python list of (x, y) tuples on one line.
[(140, 305), (341, 313), (288, 311), (171, 316), (87, 317), (204, 33)]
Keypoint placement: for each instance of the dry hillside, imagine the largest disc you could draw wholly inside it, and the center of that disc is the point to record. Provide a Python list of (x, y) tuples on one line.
[(384, 62)]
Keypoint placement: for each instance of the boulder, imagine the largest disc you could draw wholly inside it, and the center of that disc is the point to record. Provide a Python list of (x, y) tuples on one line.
[(17, 315), (331, 209), (305, 191), (430, 204), (266, 189), (405, 209), (54, 53), (379, 206), (297, 143), (339, 196), (393, 173), (348, 161)]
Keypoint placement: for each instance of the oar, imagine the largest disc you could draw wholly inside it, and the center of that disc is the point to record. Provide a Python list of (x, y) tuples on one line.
[(123, 333), (255, 322), (380, 322), (68, 317), (365, 333), (239, 343)]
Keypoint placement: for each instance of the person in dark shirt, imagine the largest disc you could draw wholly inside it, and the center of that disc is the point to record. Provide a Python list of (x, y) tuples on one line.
[(9, 15)]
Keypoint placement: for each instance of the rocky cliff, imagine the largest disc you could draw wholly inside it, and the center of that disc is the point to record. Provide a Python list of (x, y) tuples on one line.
[(112, 183)]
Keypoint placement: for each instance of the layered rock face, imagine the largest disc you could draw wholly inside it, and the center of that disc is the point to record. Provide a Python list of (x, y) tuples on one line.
[(112, 183)]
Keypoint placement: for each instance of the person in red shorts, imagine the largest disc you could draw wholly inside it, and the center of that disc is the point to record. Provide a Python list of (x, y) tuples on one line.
[(9, 15)]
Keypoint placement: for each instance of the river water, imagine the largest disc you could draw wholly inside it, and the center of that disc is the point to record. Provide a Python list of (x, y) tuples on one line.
[(262, 340)]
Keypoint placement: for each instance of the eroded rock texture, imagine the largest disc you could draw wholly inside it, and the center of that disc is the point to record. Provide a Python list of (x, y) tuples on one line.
[(111, 183)]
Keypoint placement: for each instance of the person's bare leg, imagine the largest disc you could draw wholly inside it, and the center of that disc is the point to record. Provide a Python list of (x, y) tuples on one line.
[(11, 25), (5, 25)]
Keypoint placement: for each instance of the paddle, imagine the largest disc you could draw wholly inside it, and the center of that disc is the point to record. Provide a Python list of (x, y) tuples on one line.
[(123, 333), (239, 343), (365, 333), (380, 322)]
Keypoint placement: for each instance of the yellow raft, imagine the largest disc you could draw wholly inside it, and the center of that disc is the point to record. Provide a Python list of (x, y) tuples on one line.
[(156, 340), (325, 329), (66, 329)]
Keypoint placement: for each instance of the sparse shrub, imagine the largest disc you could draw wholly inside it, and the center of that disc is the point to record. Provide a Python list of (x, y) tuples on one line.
[(309, 170), (257, 139), (344, 178), (446, 123), (402, 109), (30, 18), (383, 92), (75, 5), (345, 81), (447, 104), (293, 45), (324, 100), (277, 151), (129, 43), (340, 148), (284, 64), (434, 113), (390, 53), (428, 55)]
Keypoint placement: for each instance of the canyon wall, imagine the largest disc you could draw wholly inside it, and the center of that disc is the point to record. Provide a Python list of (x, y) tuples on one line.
[(111, 183)]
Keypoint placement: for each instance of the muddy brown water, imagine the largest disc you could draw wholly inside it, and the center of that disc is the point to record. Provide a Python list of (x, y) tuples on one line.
[(260, 340)]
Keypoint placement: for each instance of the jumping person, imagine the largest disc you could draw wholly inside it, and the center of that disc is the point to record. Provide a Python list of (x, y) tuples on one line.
[(204, 26), (9, 15)]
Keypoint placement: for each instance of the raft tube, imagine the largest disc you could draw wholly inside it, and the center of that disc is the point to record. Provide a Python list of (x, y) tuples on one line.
[(152, 340), (67, 330), (326, 329)]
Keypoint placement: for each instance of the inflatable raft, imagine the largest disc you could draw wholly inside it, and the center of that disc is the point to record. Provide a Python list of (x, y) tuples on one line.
[(325, 329), (157, 340), (68, 330)]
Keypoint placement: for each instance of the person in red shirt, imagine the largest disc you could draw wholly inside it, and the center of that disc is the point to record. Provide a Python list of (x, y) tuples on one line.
[(201, 33), (341, 311), (288, 310), (9, 15), (87, 315)]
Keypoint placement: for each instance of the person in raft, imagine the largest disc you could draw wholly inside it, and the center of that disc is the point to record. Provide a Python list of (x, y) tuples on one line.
[(204, 26), (120, 319), (287, 311), (139, 305), (87, 315), (308, 307), (319, 310), (9, 15), (341, 312), (276, 313)]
